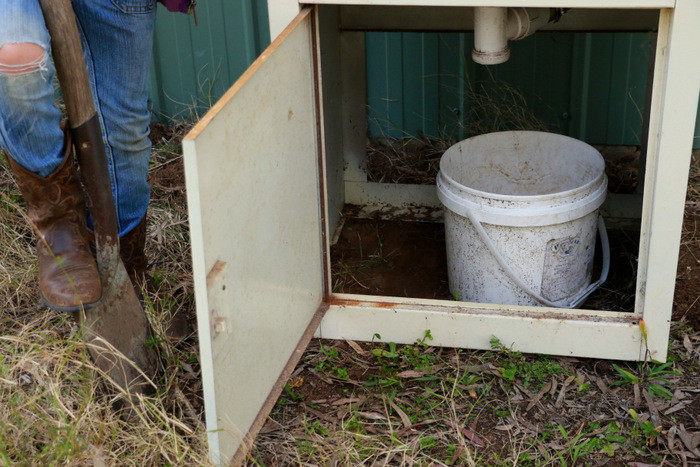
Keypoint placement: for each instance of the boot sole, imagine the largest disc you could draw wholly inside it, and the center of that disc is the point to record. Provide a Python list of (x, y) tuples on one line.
[(68, 309)]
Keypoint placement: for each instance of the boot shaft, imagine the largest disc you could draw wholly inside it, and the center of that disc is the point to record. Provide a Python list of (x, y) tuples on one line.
[(58, 196)]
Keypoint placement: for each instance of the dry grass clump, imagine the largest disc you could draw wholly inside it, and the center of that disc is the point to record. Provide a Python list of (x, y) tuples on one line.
[(492, 106), (498, 106), (409, 160), (54, 408)]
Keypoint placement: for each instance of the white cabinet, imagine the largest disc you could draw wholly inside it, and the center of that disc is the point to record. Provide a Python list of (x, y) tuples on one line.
[(269, 167)]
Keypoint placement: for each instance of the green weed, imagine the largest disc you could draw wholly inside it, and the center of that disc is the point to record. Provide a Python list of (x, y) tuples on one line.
[(652, 376)]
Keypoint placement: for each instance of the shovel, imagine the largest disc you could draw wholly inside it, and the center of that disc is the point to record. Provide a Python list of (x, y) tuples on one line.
[(116, 328)]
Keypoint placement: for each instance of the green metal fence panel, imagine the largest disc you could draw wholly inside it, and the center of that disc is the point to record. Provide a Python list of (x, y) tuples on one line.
[(588, 85), (193, 65)]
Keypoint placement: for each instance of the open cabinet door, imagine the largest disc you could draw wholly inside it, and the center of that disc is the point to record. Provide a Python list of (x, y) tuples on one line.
[(256, 221)]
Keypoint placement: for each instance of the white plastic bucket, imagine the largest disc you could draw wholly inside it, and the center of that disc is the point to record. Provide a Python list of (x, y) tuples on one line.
[(521, 218)]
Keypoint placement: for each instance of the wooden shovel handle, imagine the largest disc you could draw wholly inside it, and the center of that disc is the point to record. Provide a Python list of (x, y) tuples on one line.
[(69, 61), (84, 124)]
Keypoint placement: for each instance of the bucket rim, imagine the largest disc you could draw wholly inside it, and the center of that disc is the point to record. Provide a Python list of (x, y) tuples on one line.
[(533, 214), (592, 184), (452, 183)]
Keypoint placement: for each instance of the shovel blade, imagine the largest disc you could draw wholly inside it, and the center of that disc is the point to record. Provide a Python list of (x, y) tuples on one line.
[(118, 331)]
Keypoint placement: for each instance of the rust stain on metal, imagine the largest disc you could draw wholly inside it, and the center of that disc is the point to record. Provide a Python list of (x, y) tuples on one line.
[(503, 312), (343, 302)]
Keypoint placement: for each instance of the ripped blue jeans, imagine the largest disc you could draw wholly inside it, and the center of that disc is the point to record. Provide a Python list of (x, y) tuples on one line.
[(117, 37)]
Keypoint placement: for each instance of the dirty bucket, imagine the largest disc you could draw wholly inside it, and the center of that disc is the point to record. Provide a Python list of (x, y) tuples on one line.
[(521, 215)]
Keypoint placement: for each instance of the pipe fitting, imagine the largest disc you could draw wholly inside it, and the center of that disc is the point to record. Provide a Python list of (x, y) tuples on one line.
[(490, 39), (495, 26)]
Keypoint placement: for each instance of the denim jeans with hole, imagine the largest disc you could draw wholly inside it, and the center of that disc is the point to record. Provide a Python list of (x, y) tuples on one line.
[(117, 37)]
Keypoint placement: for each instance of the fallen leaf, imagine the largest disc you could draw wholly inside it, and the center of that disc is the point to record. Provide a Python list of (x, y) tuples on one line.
[(296, 382), (562, 392), (686, 343), (536, 399), (690, 440), (601, 385), (653, 410), (346, 400), (505, 427), (372, 415), (411, 374), (677, 407), (404, 418), (356, 347), (469, 434)]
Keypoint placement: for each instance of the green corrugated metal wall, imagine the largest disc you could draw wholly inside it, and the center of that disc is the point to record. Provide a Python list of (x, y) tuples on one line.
[(589, 86), (194, 65)]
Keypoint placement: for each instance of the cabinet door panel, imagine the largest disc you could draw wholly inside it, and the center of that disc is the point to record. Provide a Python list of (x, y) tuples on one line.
[(252, 170)]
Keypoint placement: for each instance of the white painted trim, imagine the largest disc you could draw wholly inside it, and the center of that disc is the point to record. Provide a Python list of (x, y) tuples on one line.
[(280, 14), (673, 110), (594, 334), (398, 199), (204, 326)]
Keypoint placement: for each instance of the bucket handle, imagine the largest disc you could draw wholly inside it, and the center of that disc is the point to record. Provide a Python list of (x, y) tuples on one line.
[(571, 302)]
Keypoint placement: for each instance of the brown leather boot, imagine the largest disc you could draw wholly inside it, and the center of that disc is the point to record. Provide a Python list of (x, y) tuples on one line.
[(132, 252), (68, 275)]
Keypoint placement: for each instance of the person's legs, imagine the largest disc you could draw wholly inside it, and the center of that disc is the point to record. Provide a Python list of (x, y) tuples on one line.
[(40, 156), (29, 119), (118, 47)]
